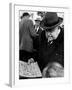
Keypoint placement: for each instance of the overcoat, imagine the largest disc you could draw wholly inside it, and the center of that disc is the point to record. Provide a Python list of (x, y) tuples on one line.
[(51, 52), (26, 32)]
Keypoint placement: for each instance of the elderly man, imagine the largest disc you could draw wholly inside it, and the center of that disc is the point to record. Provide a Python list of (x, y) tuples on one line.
[(51, 41)]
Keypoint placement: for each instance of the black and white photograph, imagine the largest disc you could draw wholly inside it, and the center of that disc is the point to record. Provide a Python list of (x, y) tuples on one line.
[(41, 44), (36, 44)]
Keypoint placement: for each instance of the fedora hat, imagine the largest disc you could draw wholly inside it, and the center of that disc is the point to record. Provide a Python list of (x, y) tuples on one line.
[(51, 20)]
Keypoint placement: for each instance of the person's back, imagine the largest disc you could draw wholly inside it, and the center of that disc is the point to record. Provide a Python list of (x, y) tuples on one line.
[(26, 34), (26, 31)]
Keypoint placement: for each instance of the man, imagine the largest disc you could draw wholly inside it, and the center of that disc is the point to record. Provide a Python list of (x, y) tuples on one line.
[(38, 29), (51, 41), (26, 32)]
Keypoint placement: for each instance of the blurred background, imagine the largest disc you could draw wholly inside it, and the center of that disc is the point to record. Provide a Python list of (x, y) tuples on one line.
[(39, 14)]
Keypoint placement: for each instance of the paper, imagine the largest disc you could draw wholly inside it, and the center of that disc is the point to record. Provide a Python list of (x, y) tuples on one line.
[(29, 70)]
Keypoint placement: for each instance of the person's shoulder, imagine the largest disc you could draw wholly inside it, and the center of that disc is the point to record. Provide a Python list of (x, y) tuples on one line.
[(29, 21), (60, 38), (62, 30)]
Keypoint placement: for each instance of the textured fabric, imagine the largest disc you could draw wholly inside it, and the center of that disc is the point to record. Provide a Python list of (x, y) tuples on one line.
[(26, 31), (51, 52)]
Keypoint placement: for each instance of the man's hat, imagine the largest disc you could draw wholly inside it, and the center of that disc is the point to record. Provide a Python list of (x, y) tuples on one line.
[(51, 20)]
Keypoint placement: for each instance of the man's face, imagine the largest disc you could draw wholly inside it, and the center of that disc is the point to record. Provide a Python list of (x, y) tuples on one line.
[(53, 34)]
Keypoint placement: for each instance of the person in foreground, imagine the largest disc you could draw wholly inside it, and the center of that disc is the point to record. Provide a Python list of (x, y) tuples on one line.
[(51, 43), (53, 69)]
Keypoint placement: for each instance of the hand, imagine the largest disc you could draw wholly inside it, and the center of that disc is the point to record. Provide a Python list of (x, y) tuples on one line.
[(31, 60)]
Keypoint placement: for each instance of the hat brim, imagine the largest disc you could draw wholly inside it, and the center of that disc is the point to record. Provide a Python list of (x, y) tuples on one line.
[(51, 27)]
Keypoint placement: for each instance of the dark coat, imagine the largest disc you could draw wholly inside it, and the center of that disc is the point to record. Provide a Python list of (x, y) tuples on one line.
[(36, 39), (26, 32), (51, 52), (39, 30)]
